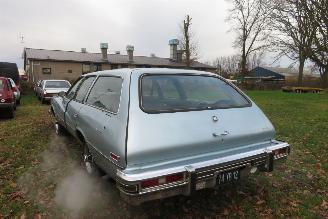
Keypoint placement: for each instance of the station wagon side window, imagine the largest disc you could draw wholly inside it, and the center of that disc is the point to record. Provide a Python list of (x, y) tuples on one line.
[(83, 88), (106, 93)]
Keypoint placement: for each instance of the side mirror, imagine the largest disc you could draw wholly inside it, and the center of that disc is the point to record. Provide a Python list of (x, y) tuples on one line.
[(62, 93)]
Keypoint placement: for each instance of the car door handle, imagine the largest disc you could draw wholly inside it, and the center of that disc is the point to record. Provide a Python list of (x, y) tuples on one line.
[(75, 115), (222, 134)]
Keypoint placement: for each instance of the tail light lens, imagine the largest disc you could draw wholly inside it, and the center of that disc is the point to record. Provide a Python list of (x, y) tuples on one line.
[(149, 183), (162, 180), (174, 178)]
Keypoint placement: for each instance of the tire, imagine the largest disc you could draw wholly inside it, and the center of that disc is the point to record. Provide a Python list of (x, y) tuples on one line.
[(89, 165), (43, 101), (15, 106), (18, 102), (59, 129)]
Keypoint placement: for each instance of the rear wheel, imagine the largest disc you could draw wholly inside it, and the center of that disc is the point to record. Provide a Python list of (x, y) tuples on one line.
[(43, 101), (89, 164), (18, 102)]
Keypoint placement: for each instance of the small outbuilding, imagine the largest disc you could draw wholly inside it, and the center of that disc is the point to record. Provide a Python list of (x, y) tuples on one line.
[(260, 73)]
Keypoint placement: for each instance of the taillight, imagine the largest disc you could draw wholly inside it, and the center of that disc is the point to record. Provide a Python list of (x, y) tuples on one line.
[(279, 153), (174, 178), (114, 156), (149, 183), (162, 180)]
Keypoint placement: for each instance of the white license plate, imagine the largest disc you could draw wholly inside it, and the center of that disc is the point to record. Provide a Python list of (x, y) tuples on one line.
[(228, 177)]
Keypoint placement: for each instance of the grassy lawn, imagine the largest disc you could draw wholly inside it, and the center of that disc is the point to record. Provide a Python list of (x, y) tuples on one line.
[(35, 164)]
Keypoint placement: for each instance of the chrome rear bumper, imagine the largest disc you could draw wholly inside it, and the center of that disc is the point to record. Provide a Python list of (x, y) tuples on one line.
[(198, 175)]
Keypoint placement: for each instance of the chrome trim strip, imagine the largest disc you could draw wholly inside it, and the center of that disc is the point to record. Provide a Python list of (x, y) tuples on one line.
[(233, 165)]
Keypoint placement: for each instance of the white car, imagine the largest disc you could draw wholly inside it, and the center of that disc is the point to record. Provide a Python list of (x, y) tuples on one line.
[(49, 88)]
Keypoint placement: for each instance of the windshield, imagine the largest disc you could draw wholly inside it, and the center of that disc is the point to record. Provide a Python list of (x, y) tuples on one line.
[(1, 84), (171, 93), (57, 84)]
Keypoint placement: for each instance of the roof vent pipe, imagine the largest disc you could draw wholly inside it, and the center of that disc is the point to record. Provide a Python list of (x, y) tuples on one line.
[(104, 48), (129, 50), (173, 49)]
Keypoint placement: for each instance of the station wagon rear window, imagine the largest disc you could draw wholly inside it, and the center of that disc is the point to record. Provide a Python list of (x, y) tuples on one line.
[(172, 93)]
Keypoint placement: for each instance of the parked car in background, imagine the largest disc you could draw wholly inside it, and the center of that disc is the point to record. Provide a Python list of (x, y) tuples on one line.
[(166, 132), (49, 88), (10, 70), (7, 97), (16, 91)]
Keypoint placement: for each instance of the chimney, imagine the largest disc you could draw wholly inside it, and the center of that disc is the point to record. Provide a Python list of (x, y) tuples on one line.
[(173, 49), (83, 50), (152, 55), (129, 50), (117, 52), (104, 47)]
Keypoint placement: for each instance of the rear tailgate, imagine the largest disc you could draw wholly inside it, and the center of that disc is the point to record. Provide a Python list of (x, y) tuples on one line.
[(171, 136)]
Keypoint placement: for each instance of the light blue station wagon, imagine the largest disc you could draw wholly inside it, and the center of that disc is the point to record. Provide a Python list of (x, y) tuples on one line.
[(166, 132)]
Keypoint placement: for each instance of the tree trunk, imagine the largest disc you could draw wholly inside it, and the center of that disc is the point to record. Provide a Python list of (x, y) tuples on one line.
[(324, 77), (186, 25), (243, 56), (300, 70)]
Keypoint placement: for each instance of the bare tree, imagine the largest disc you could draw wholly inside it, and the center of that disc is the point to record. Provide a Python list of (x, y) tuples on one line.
[(316, 12), (250, 19), (188, 43), (255, 59), (293, 34), (227, 65)]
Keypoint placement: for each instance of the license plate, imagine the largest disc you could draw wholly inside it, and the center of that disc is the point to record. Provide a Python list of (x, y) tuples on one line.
[(228, 177)]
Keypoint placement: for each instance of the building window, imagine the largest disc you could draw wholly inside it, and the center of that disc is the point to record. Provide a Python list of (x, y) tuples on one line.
[(85, 68), (69, 71), (46, 71)]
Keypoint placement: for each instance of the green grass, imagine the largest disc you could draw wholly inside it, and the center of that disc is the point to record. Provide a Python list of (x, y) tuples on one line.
[(298, 188)]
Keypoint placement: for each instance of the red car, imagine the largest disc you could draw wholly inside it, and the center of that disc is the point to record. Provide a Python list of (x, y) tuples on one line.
[(7, 97)]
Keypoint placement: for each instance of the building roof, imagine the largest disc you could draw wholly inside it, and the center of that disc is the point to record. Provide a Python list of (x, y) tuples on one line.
[(260, 72), (60, 55)]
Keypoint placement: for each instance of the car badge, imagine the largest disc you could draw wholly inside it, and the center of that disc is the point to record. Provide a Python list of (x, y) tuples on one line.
[(215, 118)]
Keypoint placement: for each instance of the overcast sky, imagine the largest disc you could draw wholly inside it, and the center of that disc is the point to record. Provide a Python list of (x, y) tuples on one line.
[(146, 24)]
